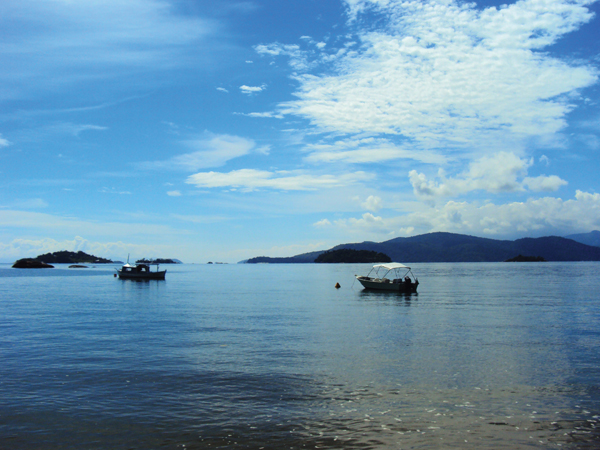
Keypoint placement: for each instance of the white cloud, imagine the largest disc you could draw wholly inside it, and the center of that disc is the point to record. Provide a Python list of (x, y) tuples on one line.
[(4, 142), (322, 223), (106, 190), (252, 89), (29, 248), (271, 115), (222, 90), (534, 217), (447, 75), (500, 173), (373, 203), (369, 150), (250, 179), (368, 223), (299, 59), (174, 193), (211, 150), (544, 183)]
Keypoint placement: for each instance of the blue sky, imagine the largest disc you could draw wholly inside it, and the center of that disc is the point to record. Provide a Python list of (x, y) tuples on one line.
[(219, 131)]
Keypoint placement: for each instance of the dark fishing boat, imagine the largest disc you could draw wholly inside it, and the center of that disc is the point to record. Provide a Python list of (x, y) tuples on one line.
[(140, 272)]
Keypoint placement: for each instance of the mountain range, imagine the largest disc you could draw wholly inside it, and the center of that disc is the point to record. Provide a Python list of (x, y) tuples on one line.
[(451, 247)]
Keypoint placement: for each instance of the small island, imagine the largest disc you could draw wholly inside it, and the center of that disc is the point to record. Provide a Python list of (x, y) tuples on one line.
[(66, 257), (158, 261), (521, 258), (346, 255), (63, 257), (30, 263)]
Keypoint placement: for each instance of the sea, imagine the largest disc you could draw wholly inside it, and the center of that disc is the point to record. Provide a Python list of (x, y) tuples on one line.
[(273, 356)]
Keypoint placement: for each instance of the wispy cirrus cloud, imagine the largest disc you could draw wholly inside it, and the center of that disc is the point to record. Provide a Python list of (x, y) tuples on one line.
[(55, 223), (369, 150), (210, 150), (269, 114), (49, 44), (251, 179)]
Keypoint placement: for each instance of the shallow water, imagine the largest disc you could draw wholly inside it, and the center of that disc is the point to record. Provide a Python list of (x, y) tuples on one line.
[(485, 356)]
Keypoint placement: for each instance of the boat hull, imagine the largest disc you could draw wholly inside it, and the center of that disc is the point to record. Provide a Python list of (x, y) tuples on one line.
[(142, 276), (387, 285)]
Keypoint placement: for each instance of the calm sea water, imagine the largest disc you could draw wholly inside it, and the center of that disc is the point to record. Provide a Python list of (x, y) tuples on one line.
[(485, 356)]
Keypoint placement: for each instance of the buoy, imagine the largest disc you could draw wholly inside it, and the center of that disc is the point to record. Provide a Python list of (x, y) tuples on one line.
[(337, 285)]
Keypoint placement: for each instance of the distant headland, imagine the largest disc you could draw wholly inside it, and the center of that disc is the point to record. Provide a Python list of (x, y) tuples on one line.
[(452, 247)]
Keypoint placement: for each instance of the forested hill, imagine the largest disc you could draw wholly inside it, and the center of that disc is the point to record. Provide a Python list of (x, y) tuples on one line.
[(450, 247), (591, 238), (66, 257)]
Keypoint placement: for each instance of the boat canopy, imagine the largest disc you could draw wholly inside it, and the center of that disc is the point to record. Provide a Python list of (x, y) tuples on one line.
[(391, 266)]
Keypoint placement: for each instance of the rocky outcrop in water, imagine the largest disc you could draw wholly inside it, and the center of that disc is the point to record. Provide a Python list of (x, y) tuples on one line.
[(29, 263)]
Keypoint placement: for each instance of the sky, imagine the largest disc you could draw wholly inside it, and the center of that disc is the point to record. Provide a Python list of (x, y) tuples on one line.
[(219, 131)]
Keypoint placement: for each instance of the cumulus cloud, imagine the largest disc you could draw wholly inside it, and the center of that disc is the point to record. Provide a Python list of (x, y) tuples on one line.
[(210, 150), (448, 75), (322, 223), (534, 217), (500, 173), (251, 179), (368, 223), (372, 203)]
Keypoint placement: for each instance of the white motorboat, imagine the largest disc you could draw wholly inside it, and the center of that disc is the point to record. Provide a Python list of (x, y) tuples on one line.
[(390, 277)]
